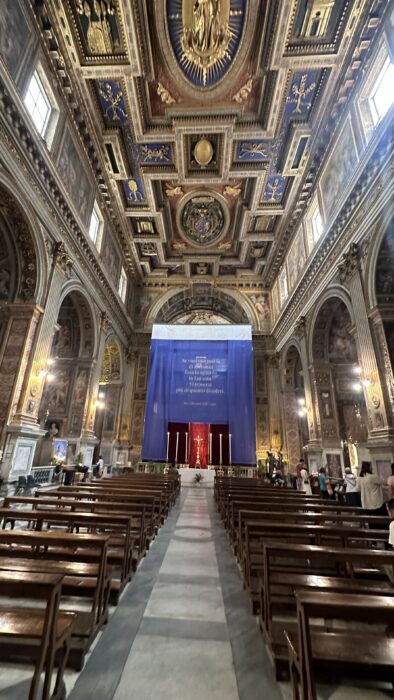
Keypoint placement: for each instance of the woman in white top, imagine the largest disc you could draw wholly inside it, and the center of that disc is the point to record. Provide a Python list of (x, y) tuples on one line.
[(305, 483), (352, 493), (390, 483), (371, 490)]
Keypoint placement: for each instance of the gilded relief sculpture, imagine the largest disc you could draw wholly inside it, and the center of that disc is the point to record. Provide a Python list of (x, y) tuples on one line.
[(206, 33), (98, 34)]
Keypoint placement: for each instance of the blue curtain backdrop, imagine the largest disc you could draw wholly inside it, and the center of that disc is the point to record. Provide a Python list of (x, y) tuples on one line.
[(201, 381)]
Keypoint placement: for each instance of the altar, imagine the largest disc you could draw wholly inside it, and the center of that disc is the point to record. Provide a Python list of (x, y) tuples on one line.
[(188, 475)]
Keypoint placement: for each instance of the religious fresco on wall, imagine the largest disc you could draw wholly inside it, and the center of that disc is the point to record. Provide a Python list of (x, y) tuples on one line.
[(296, 259), (205, 36), (56, 392), (341, 344), (111, 407), (142, 304), (80, 386), (389, 332), (261, 304), (384, 276), (333, 461), (14, 34), (111, 258), (339, 169), (74, 176)]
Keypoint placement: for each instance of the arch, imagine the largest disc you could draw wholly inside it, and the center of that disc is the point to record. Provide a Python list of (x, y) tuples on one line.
[(86, 309), (291, 359), (382, 228), (334, 295), (174, 304), (24, 274)]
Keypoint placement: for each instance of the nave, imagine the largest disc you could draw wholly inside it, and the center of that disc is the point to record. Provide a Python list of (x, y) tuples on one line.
[(184, 627)]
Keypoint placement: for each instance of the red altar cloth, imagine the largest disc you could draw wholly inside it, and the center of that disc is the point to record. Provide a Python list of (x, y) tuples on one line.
[(198, 435)]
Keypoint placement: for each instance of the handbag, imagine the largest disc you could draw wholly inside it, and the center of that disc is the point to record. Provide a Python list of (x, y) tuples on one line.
[(330, 490)]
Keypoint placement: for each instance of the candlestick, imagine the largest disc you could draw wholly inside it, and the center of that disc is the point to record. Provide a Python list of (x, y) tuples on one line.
[(186, 457), (220, 449), (168, 445), (176, 448), (210, 448), (229, 448)]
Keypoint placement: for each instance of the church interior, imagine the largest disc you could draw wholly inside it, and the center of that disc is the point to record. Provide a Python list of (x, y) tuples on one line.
[(196, 170)]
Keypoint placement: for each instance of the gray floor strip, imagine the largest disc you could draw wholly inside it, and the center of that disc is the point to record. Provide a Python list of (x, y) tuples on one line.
[(101, 675)]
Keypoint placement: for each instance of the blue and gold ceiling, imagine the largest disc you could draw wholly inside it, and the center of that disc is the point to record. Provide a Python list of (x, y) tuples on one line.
[(211, 115)]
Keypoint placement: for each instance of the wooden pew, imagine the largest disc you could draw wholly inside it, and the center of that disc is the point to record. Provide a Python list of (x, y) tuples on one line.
[(288, 568), (81, 559), (135, 510), (37, 635), (118, 527), (257, 532), (352, 651)]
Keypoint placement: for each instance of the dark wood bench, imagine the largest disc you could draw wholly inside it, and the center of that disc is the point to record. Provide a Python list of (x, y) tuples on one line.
[(136, 511), (288, 568), (257, 532), (351, 651), (81, 559), (37, 635), (118, 527)]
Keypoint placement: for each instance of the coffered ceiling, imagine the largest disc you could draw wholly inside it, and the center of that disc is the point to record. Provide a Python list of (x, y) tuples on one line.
[(210, 118)]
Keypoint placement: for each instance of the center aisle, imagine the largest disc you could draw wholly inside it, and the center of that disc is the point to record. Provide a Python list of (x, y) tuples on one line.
[(183, 628)]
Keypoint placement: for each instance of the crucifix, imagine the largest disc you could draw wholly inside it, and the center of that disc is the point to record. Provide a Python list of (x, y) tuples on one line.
[(198, 440)]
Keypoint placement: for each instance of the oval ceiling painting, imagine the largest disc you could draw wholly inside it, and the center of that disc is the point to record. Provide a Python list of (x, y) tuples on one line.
[(205, 36)]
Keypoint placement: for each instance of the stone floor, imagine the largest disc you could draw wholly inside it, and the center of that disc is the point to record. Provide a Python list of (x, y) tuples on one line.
[(183, 628)]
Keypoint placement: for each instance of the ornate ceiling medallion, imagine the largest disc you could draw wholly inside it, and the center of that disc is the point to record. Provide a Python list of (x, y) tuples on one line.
[(203, 152), (203, 219), (205, 36)]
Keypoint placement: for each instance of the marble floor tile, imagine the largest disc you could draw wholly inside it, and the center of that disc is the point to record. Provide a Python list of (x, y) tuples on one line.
[(186, 602), (169, 669)]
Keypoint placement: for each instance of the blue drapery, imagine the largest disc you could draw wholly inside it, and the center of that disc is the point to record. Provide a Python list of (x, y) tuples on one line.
[(201, 381)]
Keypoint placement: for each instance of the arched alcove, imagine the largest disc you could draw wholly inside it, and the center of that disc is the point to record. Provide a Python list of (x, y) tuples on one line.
[(67, 383), (339, 392)]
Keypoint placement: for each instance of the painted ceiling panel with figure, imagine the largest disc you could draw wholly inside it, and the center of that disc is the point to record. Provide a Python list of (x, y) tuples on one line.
[(209, 120)]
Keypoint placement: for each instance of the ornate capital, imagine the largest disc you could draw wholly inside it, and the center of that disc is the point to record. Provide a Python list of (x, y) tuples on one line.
[(130, 355), (300, 327), (349, 264), (61, 257), (105, 322), (273, 361)]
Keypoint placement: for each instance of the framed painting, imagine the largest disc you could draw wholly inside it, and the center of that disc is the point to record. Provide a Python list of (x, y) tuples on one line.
[(339, 169), (75, 178)]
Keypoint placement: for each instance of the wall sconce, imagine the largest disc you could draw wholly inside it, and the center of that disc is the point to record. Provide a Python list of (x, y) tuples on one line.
[(99, 404), (357, 386), (364, 381)]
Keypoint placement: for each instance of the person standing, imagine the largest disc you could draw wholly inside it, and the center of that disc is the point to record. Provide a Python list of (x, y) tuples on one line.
[(299, 467), (371, 490), (306, 484), (323, 483), (390, 483), (98, 467), (352, 493)]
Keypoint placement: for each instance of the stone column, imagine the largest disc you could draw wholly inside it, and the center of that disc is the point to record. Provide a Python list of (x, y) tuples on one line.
[(34, 379), (350, 275), (139, 394), (300, 331), (261, 399), (87, 434), (274, 398), (125, 407), (384, 364), (27, 345)]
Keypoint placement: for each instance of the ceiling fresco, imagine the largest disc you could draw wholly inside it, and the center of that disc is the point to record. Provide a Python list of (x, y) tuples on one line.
[(209, 116)]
